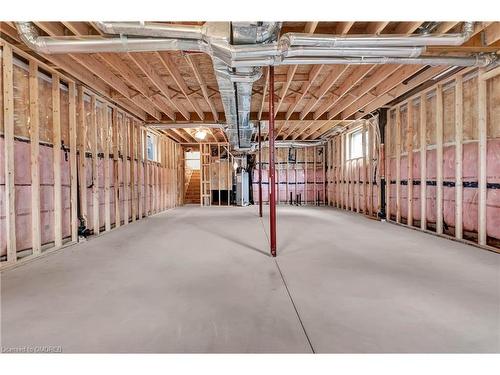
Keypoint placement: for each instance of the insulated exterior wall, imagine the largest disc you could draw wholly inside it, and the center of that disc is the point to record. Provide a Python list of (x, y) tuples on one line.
[(353, 183), (455, 127), (107, 143), (300, 174)]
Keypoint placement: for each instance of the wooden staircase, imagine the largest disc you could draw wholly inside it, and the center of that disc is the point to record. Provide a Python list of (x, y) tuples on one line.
[(192, 192)]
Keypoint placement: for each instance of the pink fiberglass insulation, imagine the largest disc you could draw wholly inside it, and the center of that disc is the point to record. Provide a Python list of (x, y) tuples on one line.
[(493, 196), (3, 243)]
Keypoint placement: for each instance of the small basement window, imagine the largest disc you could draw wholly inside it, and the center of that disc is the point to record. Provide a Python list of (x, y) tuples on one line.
[(356, 145), (152, 147)]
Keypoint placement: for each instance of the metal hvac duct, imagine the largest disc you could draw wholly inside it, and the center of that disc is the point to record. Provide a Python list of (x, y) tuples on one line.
[(157, 30), (55, 45), (329, 41), (239, 50)]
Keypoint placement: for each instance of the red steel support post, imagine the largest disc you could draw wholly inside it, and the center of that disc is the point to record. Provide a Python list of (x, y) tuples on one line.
[(272, 198), (260, 174)]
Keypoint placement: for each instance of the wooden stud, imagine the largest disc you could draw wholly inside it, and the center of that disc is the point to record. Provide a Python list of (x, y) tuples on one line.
[(141, 172), (482, 156), (95, 173), (409, 151), (398, 164), (35, 151), (10, 189), (132, 144), (124, 130), (388, 154), (458, 156), (439, 159), (56, 132), (116, 166), (73, 161), (107, 183), (423, 163)]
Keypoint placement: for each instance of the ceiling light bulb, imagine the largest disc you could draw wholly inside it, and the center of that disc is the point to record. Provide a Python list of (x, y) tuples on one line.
[(200, 134)]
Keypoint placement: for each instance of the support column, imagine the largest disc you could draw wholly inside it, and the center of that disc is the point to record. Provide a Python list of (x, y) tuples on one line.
[(260, 172), (272, 198)]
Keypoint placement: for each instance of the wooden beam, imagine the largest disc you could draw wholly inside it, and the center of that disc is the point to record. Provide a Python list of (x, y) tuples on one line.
[(100, 70), (203, 85), (313, 74), (180, 82), (78, 28), (147, 68), (399, 90), (492, 33), (352, 80), (379, 75), (56, 134), (35, 151), (390, 82), (376, 27), (309, 29), (335, 73), (123, 67)]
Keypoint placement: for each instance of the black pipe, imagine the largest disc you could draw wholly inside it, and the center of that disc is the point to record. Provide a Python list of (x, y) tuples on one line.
[(382, 121)]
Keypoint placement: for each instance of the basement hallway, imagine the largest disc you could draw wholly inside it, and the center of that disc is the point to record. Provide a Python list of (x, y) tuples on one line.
[(197, 279)]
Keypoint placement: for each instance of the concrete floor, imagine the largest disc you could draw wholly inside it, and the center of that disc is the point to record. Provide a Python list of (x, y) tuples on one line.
[(199, 280)]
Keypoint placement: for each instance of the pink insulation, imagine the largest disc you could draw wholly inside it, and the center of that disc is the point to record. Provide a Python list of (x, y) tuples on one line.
[(470, 194)]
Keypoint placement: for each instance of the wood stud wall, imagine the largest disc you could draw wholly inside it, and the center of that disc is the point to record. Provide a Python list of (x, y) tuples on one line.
[(95, 130), (421, 118), (350, 182), (213, 172)]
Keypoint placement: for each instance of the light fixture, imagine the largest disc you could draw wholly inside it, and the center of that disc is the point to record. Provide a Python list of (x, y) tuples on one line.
[(200, 134)]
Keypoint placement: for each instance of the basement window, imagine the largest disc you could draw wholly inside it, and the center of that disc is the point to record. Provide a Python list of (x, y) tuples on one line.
[(355, 145), (152, 147)]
